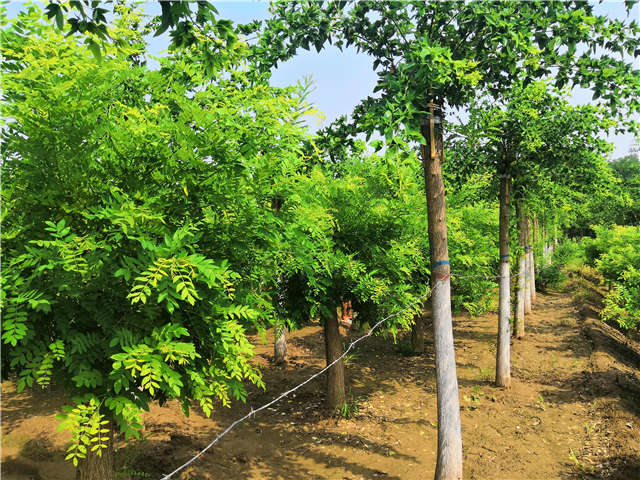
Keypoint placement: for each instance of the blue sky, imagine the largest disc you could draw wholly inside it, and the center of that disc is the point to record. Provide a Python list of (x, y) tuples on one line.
[(343, 78)]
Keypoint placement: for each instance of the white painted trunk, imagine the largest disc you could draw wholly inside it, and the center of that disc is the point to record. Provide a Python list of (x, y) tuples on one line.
[(532, 275), (527, 283), (503, 353), (449, 462), (503, 350), (449, 459), (521, 290)]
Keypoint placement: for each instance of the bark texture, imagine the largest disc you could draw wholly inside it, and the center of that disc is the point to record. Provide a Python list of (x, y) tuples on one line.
[(527, 258), (96, 467), (420, 327), (417, 335), (449, 461), (532, 274), (280, 344), (335, 375), (503, 353), (534, 241), (522, 279)]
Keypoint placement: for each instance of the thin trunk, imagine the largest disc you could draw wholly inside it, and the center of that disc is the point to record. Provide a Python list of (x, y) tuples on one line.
[(527, 258), (419, 329), (96, 467), (449, 462), (280, 330), (280, 344), (532, 264), (519, 324), (335, 375), (503, 354), (417, 335)]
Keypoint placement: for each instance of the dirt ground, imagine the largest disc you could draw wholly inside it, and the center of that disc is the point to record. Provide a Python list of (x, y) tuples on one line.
[(572, 412)]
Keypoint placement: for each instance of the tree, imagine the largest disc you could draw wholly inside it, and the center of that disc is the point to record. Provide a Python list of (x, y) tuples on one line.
[(187, 25), (133, 276), (352, 238)]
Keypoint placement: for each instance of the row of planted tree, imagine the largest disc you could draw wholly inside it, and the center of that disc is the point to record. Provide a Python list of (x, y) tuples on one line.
[(152, 217)]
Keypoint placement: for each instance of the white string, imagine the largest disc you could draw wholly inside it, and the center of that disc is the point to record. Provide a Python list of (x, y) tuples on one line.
[(485, 277), (315, 375), (320, 372)]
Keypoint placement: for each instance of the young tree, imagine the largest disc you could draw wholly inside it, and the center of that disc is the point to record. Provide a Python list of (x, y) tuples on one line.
[(352, 238), (132, 276)]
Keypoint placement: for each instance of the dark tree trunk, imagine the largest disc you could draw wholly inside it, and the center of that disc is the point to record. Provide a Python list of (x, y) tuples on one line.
[(503, 353), (449, 462), (417, 332), (417, 335), (335, 375), (96, 467)]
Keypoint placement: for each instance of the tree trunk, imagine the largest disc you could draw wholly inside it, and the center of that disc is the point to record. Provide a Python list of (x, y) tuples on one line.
[(522, 279), (532, 273), (335, 375), (503, 353), (280, 330), (419, 329), (280, 344), (96, 467), (449, 462), (527, 258), (417, 335), (534, 242)]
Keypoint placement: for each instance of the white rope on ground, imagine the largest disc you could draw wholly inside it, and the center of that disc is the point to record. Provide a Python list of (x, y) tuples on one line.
[(288, 392)]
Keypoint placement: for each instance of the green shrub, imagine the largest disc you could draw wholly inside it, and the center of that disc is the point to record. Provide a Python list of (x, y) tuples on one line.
[(620, 248), (569, 253), (615, 252), (622, 304), (592, 251), (548, 277)]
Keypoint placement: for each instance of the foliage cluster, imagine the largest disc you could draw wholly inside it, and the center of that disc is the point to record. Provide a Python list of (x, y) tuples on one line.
[(616, 202), (136, 220), (615, 252), (182, 208)]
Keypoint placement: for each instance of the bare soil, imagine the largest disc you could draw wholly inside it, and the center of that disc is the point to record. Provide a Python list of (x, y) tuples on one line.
[(572, 412)]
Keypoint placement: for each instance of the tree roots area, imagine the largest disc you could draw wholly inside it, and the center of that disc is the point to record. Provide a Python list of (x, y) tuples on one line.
[(572, 412)]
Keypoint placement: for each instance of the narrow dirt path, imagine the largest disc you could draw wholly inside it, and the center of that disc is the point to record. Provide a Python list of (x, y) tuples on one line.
[(558, 420), (571, 412)]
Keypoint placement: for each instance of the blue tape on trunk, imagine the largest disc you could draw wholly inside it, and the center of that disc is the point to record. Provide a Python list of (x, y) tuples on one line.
[(440, 263), (506, 255)]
